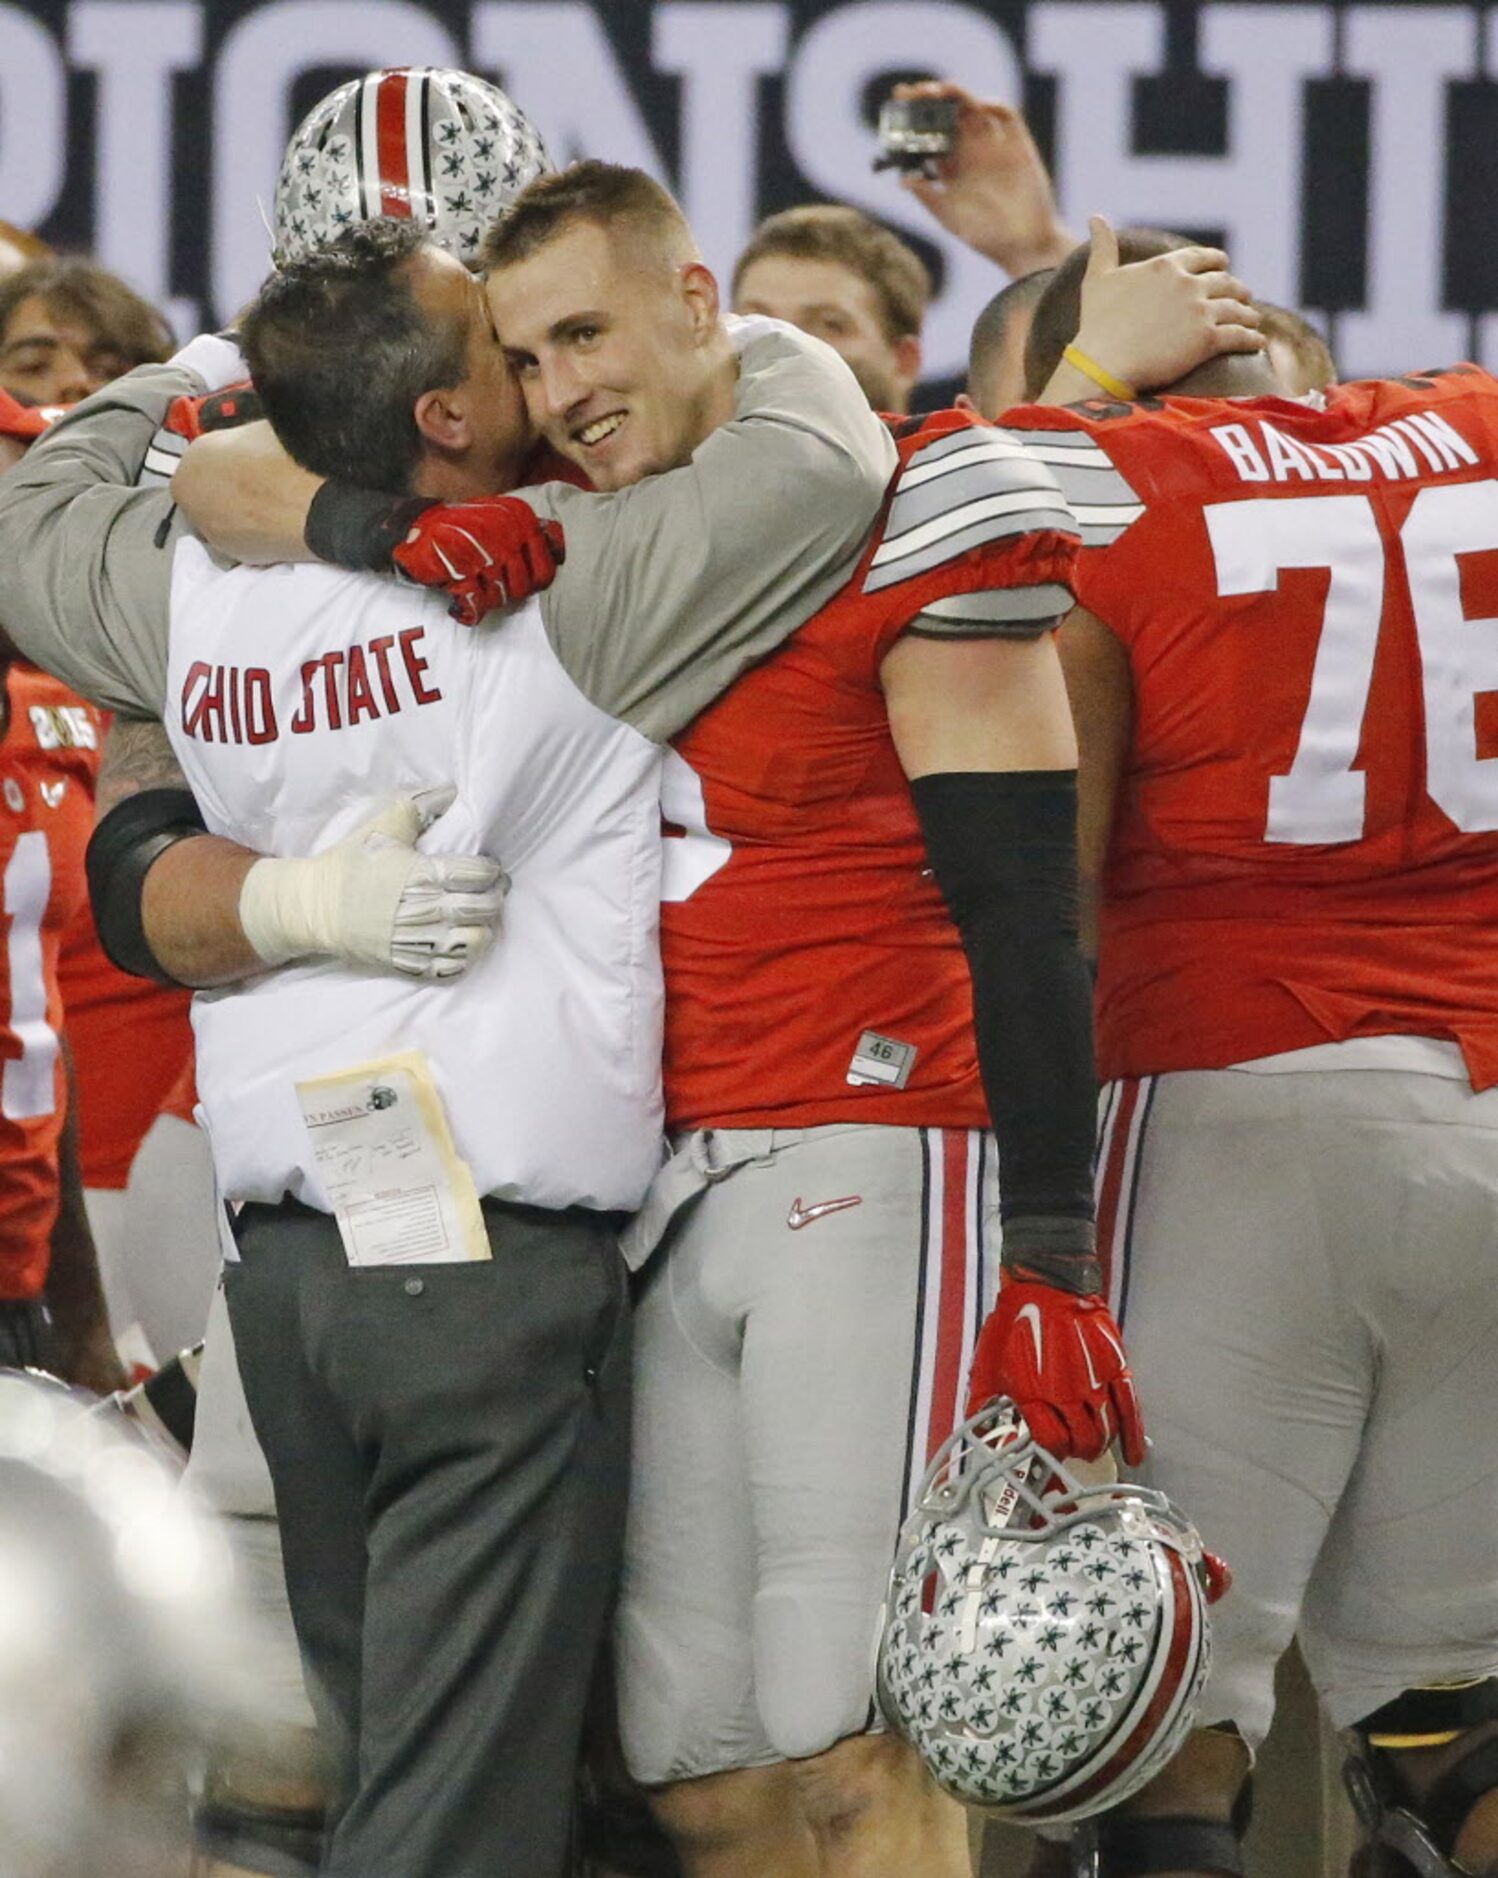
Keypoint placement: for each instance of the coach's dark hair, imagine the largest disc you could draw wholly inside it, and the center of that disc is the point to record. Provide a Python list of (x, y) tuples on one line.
[(606, 194), (1059, 313), (340, 351)]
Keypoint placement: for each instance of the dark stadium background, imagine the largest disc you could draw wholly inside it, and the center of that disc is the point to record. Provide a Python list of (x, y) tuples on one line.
[(158, 184)]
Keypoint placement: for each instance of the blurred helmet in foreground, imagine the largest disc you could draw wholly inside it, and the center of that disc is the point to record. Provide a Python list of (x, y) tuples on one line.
[(1045, 1641), (442, 147), (121, 1650)]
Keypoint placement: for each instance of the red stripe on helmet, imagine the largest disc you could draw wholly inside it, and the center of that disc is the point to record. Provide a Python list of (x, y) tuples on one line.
[(390, 134), (1183, 1640)]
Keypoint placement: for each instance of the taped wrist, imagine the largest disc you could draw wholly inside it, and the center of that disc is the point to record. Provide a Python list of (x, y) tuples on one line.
[(1003, 850), (359, 528), (288, 909), (123, 849)]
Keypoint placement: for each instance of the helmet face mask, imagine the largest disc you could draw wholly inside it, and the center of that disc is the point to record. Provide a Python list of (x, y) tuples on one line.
[(440, 147), (1045, 1639)]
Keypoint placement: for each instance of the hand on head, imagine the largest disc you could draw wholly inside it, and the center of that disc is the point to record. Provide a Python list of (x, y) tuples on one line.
[(1151, 322)]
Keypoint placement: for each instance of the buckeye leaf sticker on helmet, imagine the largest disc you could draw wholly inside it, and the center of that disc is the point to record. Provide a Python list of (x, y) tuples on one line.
[(441, 147)]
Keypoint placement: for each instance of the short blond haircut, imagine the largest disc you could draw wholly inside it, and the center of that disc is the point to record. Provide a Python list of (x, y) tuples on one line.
[(605, 194), (830, 231)]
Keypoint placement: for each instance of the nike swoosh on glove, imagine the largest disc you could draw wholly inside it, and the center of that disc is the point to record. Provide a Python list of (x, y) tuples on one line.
[(1060, 1359), (495, 551)]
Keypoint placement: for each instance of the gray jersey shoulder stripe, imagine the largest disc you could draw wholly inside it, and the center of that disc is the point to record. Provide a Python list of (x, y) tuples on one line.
[(1108, 514), (961, 440), (1071, 440), (1093, 486), (912, 508), (955, 536), (921, 469), (1097, 536), (1045, 601), (1020, 503)]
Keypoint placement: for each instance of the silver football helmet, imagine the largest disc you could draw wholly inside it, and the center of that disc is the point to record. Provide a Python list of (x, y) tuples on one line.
[(1045, 1640), (122, 1649), (442, 147)]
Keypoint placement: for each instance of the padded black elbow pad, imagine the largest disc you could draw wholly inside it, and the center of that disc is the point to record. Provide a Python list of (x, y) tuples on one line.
[(125, 846)]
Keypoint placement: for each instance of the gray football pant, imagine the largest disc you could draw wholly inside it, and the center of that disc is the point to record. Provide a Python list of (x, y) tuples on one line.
[(449, 1450), (802, 1344), (1308, 1283)]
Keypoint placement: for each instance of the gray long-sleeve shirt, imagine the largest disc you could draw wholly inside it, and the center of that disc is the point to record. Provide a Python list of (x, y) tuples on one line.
[(670, 589)]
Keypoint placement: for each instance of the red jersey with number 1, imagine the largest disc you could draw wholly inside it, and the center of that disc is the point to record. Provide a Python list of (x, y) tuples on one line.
[(1306, 846), (46, 816), (812, 972)]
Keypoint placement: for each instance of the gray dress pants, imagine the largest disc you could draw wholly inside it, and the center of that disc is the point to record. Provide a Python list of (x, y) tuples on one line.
[(449, 1448)]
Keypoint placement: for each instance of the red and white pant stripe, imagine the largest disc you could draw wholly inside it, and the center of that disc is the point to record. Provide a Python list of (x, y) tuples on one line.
[(957, 1275), (1123, 1116)]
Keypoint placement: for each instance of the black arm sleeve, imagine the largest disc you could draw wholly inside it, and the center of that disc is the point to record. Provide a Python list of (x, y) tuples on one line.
[(1003, 849), (358, 528), (132, 836)]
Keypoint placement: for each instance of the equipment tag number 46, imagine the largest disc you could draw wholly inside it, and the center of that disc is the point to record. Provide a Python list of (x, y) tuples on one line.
[(1322, 798)]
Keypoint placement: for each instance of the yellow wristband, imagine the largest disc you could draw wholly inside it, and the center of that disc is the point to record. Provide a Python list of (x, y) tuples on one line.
[(1089, 368)]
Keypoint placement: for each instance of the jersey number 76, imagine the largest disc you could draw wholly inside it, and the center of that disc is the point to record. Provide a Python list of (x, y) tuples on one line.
[(1322, 797)]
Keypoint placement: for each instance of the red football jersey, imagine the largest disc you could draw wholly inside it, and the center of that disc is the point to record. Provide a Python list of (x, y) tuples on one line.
[(132, 1044), (131, 1040), (47, 762), (1306, 845), (812, 971)]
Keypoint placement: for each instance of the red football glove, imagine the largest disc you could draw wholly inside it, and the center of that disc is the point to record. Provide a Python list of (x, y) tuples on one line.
[(495, 551), (1060, 1359)]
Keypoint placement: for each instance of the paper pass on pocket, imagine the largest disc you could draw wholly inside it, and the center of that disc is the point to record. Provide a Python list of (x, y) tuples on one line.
[(400, 1191)]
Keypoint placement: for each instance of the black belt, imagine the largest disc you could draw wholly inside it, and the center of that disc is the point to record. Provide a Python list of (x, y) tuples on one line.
[(261, 1212)]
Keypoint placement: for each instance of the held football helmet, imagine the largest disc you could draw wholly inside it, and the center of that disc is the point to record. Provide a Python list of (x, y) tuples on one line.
[(1045, 1641), (444, 147)]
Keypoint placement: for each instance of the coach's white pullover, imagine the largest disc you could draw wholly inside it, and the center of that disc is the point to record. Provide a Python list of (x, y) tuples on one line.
[(301, 699)]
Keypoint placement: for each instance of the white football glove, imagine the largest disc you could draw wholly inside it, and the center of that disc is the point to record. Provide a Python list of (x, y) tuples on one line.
[(372, 900)]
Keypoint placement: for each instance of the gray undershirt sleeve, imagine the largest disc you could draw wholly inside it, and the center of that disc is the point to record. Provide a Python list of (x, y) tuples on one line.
[(85, 558), (675, 586)]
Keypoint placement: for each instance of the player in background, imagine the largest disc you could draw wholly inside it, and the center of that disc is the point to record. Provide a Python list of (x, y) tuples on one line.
[(52, 1313), (1280, 668), (67, 327), (996, 352), (835, 272)]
